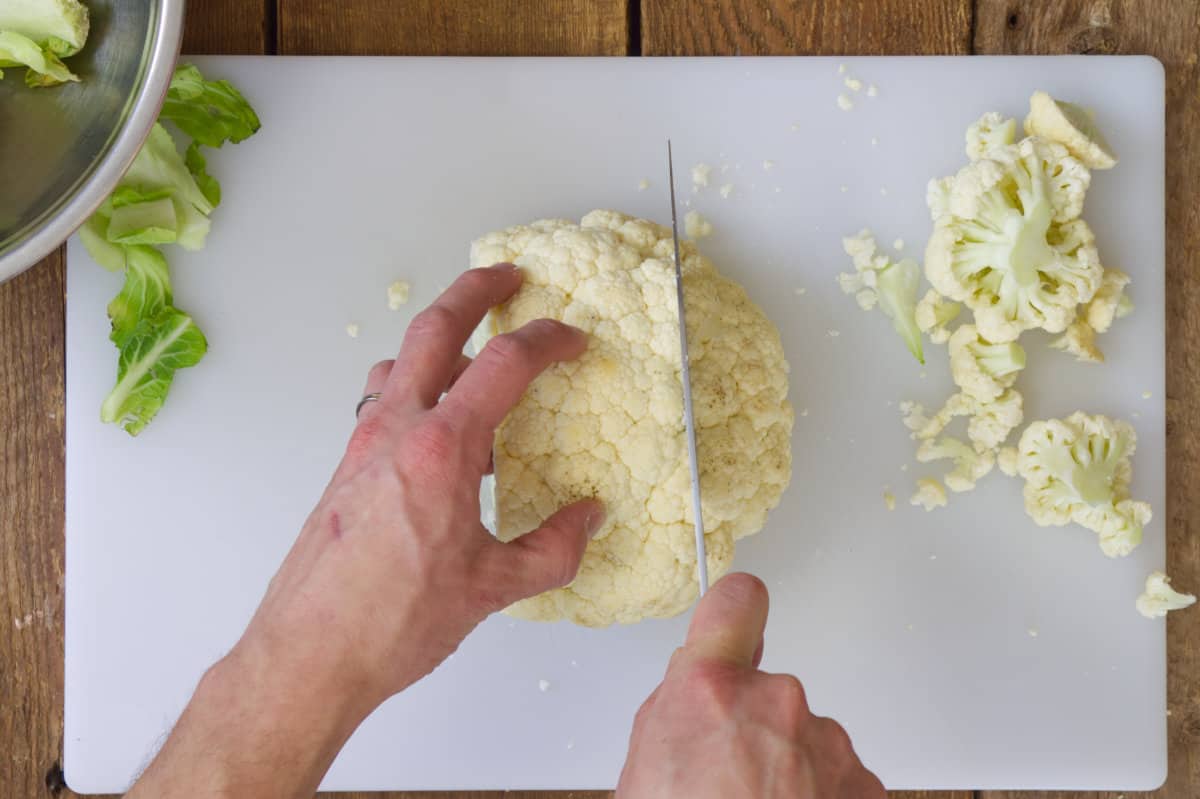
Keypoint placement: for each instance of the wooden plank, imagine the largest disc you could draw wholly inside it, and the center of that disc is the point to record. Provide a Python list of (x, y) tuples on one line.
[(820, 27), (31, 537), (467, 27), (817, 27), (229, 27), (1169, 30)]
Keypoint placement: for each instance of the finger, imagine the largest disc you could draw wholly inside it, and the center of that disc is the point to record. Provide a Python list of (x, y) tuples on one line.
[(463, 362), (549, 556), (494, 383), (376, 379), (435, 338), (729, 621)]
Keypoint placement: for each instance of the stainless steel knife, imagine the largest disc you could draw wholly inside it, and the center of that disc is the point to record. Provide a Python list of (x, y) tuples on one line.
[(689, 418)]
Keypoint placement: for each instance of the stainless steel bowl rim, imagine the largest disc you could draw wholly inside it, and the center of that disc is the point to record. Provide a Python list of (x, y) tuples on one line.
[(99, 183)]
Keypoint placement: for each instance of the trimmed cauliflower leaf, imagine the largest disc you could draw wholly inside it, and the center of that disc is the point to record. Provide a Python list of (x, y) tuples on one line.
[(610, 424), (893, 286), (1159, 597), (1009, 243), (1078, 470)]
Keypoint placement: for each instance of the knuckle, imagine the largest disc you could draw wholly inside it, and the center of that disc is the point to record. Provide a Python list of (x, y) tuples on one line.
[(435, 321), (835, 738), (511, 348), (433, 441), (788, 697), (711, 685), (380, 371), (366, 433)]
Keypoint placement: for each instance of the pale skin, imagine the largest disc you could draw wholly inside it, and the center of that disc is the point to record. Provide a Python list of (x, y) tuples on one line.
[(393, 570)]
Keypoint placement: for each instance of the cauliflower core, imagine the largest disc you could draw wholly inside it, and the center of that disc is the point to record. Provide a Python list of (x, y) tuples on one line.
[(610, 424)]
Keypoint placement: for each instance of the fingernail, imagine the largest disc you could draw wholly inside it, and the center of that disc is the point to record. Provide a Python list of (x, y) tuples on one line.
[(504, 267), (594, 519)]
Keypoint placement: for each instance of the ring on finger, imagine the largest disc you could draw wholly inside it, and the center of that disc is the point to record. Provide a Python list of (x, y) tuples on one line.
[(372, 397)]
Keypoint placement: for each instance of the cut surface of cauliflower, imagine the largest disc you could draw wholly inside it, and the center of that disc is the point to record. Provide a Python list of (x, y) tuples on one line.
[(1071, 126), (981, 369), (933, 313), (1110, 302), (1078, 470), (610, 424), (1159, 597), (929, 494), (893, 286), (1079, 339), (1009, 242), (990, 132)]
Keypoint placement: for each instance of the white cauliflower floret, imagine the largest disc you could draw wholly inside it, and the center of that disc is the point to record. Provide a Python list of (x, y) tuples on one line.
[(929, 494), (937, 196), (1159, 597), (1071, 126), (1010, 244), (610, 424), (991, 131), (695, 226), (982, 369), (1006, 460), (1077, 470), (1079, 339), (969, 465), (1110, 302), (992, 422), (893, 286), (933, 313)]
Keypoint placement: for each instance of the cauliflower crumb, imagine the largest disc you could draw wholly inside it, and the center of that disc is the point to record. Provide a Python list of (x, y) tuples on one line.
[(898, 244), (778, 189), (1033, 633), (929, 495), (796, 127), (700, 174), (768, 165), (397, 294), (845, 189), (844, 102), (834, 333), (801, 291), (874, 141), (1159, 597), (726, 190), (804, 412), (643, 184), (1146, 395), (696, 226), (872, 90), (841, 69), (853, 84), (570, 745), (543, 685), (904, 467), (352, 330), (889, 499), (883, 191)]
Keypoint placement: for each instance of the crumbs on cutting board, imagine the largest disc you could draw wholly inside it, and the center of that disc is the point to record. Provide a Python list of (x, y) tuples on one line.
[(643, 184), (898, 244), (844, 102), (696, 226), (726, 190), (889, 499), (352, 330), (801, 291), (397, 294), (853, 84), (700, 173), (834, 333), (543, 685), (768, 165)]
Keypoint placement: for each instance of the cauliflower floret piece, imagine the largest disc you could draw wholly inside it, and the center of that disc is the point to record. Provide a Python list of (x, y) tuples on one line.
[(610, 424), (695, 226), (876, 279), (1010, 244), (1071, 126), (933, 313), (929, 494), (1006, 460), (991, 131), (937, 196), (1110, 302), (1159, 597), (982, 369), (1078, 470), (1079, 339), (992, 422), (924, 426), (969, 465)]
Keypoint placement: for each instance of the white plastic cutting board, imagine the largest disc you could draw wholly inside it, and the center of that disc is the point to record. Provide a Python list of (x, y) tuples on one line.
[(916, 631)]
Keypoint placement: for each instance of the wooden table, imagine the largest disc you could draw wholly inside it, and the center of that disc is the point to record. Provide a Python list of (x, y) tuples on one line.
[(32, 305)]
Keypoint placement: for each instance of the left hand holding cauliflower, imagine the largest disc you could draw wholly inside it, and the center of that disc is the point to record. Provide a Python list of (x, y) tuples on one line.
[(610, 424)]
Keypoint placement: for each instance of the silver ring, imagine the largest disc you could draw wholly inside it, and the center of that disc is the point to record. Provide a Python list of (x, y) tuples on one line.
[(372, 397)]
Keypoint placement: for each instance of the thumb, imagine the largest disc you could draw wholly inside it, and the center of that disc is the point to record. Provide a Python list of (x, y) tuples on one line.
[(729, 621), (549, 556)]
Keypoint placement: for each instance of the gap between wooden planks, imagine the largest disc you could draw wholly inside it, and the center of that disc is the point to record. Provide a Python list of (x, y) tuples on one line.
[(31, 307)]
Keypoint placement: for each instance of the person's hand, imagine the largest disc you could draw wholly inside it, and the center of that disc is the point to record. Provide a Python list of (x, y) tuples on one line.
[(718, 727), (393, 569)]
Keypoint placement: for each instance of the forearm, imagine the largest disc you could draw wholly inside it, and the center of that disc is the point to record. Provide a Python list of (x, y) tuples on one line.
[(258, 726)]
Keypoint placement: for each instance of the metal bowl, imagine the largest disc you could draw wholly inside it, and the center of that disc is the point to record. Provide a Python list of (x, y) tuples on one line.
[(63, 149)]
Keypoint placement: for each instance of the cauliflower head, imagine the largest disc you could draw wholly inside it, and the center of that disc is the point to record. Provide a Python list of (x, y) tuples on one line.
[(983, 369), (610, 424), (1078, 470), (1159, 597), (1009, 242)]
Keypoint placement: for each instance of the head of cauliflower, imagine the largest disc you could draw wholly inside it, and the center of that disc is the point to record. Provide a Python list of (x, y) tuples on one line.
[(610, 424), (1008, 241), (1078, 470)]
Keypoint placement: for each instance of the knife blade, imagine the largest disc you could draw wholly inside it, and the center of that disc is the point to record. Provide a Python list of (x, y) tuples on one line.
[(689, 418)]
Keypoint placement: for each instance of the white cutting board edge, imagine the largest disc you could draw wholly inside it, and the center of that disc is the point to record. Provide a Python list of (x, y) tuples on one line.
[(912, 630)]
